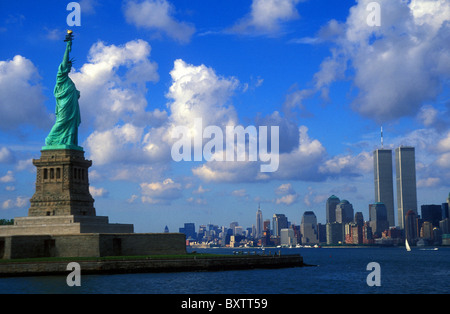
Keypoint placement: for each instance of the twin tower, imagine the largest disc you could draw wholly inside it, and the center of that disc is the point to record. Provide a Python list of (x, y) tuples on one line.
[(405, 174)]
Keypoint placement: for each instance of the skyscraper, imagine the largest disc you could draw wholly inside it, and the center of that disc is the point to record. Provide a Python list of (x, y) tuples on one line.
[(411, 228), (448, 203), (288, 237), (344, 212), (359, 218), (378, 218), (405, 170), (432, 213), (308, 228), (332, 201), (259, 223), (189, 231), (279, 221), (383, 179), (445, 210), (335, 233), (233, 226)]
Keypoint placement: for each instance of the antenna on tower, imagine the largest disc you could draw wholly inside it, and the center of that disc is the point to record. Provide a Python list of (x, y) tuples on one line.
[(381, 136)]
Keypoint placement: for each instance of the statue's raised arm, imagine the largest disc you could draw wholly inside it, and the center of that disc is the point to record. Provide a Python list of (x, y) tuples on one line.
[(68, 40), (64, 134)]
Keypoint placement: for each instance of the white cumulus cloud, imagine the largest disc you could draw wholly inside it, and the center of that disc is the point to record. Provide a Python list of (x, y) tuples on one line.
[(158, 16), (97, 192), (113, 84), (18, 202), (22, 99), (396, 67), (198, 92), (160, 192), (287, 194), (8, 177), (266, 17)]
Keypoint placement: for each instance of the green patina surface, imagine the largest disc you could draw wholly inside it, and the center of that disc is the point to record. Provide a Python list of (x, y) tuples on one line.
[(64, 133)]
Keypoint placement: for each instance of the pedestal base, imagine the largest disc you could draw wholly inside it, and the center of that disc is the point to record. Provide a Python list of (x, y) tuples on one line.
[(91, 245), (59, 225), (62, 184), (56, 147)]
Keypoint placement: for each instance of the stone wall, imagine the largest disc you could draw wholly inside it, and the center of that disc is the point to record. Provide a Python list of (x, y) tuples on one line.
[(92, 245), (62, 184), (66, 224), (24, 246), (143, 265)]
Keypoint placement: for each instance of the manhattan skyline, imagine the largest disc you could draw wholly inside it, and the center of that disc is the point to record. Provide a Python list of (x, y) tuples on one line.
[(316, 69)]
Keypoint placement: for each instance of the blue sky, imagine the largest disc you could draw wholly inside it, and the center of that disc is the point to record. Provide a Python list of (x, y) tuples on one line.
[(315, 68)]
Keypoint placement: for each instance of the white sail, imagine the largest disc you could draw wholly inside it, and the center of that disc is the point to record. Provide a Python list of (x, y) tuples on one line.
[(407, 245)]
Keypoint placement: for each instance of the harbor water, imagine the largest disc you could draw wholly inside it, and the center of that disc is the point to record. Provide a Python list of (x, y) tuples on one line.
[(336, 271)]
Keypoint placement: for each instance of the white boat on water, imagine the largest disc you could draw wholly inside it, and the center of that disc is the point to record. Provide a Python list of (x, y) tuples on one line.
[(408, 248)]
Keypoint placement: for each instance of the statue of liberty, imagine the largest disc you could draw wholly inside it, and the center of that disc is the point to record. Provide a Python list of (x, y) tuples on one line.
[(64, 133)]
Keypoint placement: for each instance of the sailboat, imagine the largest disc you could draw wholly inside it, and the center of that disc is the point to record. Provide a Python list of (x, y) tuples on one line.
[(408, 248)]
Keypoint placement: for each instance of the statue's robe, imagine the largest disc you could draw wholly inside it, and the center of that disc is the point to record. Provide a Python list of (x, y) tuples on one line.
[(68, 119)]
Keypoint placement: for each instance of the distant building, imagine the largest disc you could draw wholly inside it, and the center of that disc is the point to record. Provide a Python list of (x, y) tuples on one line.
[(332, 202), (353, 233), (265, 239), (233, 225), (357, 234), (189, 231), (359, 218), (411, 228), (222, 236), (383, 181), (297, 232), (448, 203), (405, 170), (367, 234), (259, 227), (322, 232), (378, 219), (444, 225), (166, 229), (445, 210), (446, 239), (335, 233), (431, 213), (201, 234), (308, 228), (393, 233), (238, 231), (266, 225), (233, 241), (288, 237), (426, 231), (279, 221), (344, 212)]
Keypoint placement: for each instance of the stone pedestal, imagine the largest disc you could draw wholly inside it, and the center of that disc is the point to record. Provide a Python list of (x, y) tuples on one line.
[(59, 225), (62, 203), (62, 222), (62, 184)]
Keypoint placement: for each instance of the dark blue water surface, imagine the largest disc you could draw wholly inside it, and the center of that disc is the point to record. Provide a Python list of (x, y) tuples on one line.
[(339, 270)]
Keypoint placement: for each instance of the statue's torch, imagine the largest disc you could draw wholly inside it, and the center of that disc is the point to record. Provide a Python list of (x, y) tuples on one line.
[(69, 36)]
